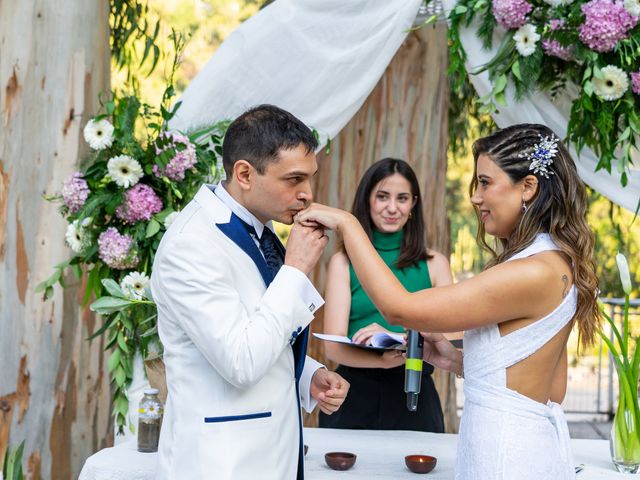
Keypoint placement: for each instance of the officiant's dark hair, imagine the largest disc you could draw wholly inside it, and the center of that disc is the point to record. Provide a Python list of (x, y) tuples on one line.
[(413, 241), (259, 134)]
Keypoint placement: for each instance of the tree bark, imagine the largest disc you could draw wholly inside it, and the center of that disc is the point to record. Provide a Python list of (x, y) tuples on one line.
[(405, 116), (54, 385)]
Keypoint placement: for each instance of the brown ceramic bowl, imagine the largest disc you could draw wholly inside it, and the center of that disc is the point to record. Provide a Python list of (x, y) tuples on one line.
[(340, 460), (420, 463)]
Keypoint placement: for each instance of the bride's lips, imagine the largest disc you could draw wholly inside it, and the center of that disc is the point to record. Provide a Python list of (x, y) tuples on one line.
[(390, 220), (483, 215)]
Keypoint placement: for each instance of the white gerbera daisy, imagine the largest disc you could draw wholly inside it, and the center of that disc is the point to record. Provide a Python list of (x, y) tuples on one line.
[(526, 38), (75, 236), (633, 7), (124, 170), (612, 85), (134, 284), (99, 135), (170, 219)]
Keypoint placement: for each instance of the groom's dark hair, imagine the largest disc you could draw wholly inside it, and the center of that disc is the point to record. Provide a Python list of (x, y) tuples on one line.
[(259, 134)]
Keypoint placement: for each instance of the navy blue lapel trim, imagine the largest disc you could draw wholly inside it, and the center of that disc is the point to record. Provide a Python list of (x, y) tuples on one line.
[(237, 232)]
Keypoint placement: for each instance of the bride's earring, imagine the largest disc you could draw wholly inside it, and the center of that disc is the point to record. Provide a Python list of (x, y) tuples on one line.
[(524, 206)]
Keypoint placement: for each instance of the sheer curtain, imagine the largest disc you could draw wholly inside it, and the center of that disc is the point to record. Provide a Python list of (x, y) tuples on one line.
[(318, 59)]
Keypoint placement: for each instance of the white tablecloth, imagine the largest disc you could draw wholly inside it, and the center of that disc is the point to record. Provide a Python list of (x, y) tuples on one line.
[(380, 454)]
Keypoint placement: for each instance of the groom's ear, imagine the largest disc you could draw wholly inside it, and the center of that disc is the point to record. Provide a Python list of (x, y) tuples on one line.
[(243, 173)]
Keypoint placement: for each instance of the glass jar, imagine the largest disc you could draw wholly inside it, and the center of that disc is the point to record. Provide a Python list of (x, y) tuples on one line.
[(149, 421)]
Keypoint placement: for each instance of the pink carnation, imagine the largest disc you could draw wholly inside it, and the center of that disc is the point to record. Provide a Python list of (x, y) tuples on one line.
[(140, 203), (606, 23), (635, 83), (184, 158), (75, 192), (511, 13), (116, 250)]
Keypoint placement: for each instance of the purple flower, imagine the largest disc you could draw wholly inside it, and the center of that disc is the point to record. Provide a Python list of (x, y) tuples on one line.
[(116, 250), (140, 203), (606, 22), (553, 47), (184, 158), (75, 192), (635, 83), (511, 13)]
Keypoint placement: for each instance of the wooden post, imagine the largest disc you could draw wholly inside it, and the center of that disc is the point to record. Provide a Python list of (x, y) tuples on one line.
[(54, 385), (405, 116)]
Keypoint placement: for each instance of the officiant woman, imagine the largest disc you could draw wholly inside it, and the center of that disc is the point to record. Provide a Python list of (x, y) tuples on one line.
[(389, 207)]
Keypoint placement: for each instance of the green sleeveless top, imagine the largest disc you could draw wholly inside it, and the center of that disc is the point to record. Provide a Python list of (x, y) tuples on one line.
[(414, 278)]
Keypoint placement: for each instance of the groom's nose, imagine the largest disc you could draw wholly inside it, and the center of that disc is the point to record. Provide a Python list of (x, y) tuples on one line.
[(305, 195)]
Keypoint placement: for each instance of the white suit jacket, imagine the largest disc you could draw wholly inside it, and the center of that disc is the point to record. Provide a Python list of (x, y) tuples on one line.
[(232, 409)]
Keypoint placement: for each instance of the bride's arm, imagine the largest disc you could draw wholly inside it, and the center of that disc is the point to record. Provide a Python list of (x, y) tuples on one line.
[(513, 290)]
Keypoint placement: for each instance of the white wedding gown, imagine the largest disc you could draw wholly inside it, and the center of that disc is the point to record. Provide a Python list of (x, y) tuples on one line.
[(505, 435)]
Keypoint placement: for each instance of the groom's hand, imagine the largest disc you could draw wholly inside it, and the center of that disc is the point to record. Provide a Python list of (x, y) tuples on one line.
[(329, 389), (304, 247)]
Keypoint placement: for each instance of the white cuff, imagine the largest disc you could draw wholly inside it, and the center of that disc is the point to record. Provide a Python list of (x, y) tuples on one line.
[(302, 287), (306, 400)]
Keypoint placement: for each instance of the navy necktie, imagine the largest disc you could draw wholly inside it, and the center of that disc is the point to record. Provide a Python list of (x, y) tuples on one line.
[(269, 247), (270, 250)]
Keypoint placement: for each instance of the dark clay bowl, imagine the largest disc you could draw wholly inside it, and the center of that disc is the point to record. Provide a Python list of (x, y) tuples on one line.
[(420, 463), (340, 460)]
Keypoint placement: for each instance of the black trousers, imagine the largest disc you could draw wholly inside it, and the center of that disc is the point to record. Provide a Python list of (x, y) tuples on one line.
[(376, 401)]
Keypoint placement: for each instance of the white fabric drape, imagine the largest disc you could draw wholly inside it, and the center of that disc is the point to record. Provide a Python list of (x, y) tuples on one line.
[(540, 108), (317, 59)]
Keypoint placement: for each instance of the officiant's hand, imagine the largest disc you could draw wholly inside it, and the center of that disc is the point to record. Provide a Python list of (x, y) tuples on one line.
[(304, 247), (439, 352), (329, 389), (363, 336)]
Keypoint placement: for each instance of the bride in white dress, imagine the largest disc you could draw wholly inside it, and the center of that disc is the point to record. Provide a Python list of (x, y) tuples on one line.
[(517, 314)]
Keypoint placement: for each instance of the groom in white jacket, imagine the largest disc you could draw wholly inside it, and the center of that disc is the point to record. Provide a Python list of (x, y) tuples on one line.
[(234, 310)]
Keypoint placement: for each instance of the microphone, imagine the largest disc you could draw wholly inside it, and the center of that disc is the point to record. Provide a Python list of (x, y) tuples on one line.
[(413, 368)]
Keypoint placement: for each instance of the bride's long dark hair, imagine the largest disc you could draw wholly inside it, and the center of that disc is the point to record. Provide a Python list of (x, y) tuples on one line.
[(558, 208)]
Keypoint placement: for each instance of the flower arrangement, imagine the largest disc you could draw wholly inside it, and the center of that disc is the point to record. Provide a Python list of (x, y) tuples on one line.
[(118, 206), (549, 44), (625, 431)]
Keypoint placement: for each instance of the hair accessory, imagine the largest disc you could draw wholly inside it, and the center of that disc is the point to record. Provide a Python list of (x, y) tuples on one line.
[(542, 156)]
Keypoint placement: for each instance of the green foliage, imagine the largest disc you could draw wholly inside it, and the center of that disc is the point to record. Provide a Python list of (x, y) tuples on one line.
[(611, 128), (12, 464)]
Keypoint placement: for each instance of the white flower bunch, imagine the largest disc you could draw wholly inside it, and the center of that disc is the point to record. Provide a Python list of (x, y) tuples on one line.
[(633, 7), (134, 285), (76, 235), (526, 38), (99, 135), (613, 84), (124, 170)]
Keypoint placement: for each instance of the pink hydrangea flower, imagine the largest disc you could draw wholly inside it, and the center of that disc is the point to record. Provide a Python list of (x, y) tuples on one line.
[(553, 47), (184, 159), (635, 83), (140, 203), (606, 23), (75, 192), (511, 13), (116, 250)]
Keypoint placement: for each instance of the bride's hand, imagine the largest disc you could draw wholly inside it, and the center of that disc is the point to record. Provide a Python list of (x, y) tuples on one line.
[(321, 215), (439, 352)]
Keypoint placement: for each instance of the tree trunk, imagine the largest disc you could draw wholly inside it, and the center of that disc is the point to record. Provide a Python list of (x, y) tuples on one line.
[(405, 116), (54, 386)]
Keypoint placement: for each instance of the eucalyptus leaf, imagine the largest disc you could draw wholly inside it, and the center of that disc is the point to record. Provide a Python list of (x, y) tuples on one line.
[(106, 305)]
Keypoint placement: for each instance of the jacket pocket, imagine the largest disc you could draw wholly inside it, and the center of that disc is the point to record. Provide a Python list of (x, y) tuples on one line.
[(236, 418)]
